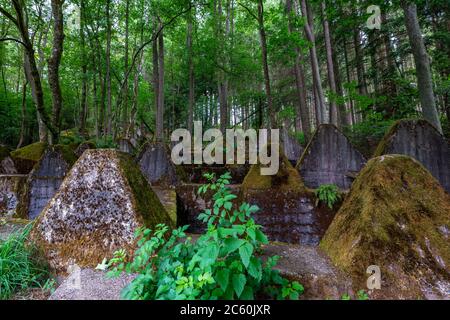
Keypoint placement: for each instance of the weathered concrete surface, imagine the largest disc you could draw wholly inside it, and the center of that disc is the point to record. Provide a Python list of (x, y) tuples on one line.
[(45, 180), (26, 158), (156, 165), (420, 140), (6, 163), (100, 204), (7, 166), (329, 158), (168, 198), (290, 217), (126, 146), (397, 217), (312, 268), (12, 189), (10, 226), (89, 284), (291, 147)]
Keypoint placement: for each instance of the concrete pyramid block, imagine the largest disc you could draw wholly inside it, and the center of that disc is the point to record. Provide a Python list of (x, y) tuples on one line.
[(99, 206), (420, 140), (156, 164), (330, 158), (396, 217)]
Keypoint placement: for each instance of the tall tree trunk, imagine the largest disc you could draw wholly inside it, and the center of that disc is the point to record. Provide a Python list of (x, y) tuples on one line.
[(53, 66), (222, 85), (262, 34), (424, 79), (126, 58), (191, 74), (84, 104), (160, 110), (309, 31), (330, 66), (31, 69), (302, 113), (108, 119), (23, 115), (359, 55)]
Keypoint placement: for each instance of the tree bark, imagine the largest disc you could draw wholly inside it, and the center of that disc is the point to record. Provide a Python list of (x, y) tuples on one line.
[(309, 31), (191, 74), (330, 67), (160, 110), (53, 65), (108, 119), (423, 70), (262, 34), (84, 105), (302, 113)]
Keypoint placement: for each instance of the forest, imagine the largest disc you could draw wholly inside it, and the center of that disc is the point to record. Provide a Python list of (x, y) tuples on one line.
[(98, 203), (114, 69)]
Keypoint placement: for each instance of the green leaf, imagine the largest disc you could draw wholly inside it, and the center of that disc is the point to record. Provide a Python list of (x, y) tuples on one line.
[(232, 244), (255, 268), (245, 251), (223, 278), (247, 294), (260, 236), (239, 282)]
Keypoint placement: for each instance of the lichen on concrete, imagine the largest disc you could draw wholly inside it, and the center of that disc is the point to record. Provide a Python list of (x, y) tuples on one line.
[(101, 203), (394, 218), (44, 180)]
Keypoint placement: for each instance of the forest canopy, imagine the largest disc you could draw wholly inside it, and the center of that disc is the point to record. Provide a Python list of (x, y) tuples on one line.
[(109, 69)]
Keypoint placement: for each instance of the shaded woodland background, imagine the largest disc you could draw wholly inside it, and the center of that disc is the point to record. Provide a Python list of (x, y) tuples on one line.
[(130, 69)]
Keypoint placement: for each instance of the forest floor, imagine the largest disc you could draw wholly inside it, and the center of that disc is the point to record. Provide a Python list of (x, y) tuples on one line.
[(306, 264)]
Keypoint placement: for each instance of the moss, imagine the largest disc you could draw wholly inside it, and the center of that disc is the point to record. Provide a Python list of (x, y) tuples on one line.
[(391, 218), (146, 201), (31, 152), (25, 158), (384, 143), (287, 178), (67, 153)]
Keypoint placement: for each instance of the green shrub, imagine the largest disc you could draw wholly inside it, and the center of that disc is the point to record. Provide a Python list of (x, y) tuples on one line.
[(328, 194), (20, 266), (223, 263)]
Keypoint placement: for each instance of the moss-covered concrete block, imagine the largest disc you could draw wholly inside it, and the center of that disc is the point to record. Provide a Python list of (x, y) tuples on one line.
[(397, 217), (420, 140), (26, 158), (287, 208), (100, 204), (329, 158)]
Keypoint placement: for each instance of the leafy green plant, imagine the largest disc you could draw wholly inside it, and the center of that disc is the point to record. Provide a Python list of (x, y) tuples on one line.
[(20, 266), (223, 263), (362, 295), (328, 194)]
